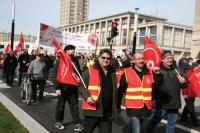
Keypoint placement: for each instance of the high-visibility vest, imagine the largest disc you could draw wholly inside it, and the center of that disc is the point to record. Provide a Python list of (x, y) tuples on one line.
[(94, 88), (138, 92)]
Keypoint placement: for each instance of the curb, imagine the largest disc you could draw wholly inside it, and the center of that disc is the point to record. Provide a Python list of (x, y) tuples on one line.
[(26, 120)]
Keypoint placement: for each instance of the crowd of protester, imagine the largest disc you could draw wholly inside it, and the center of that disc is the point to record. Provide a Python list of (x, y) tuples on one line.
[(139, 86)]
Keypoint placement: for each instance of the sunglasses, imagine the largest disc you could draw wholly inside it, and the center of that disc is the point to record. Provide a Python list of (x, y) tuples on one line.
[(107, 58)]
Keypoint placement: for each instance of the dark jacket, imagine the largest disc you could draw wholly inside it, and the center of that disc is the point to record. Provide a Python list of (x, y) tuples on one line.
[(138, 112), (105, 101), (10, 64), (167, 96), (23, 60), (48, 61)]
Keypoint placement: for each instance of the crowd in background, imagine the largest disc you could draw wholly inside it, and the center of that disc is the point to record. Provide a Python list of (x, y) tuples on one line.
[(41, 63)]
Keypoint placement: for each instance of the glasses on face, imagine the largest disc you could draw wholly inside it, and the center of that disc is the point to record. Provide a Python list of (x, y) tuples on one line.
[(107, 58), (139, 59)]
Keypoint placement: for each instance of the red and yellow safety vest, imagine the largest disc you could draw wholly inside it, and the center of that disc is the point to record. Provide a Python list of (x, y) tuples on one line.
[(94, 88), (138, 92)]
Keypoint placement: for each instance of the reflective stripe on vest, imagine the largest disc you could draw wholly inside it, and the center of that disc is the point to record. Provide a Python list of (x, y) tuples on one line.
[(94, 88), (138, 92)]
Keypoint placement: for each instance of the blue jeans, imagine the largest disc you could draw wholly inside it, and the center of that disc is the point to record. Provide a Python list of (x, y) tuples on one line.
[(159, 114), (135, 124)]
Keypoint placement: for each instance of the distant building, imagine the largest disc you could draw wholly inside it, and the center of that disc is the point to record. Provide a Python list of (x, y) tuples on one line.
[(169, 36), (73, 11), (196, 33)]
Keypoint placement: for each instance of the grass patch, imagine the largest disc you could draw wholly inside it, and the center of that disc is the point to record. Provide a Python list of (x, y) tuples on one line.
[(8, 123)]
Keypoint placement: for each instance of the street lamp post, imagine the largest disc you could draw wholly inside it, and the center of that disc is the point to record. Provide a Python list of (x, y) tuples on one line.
[(135, 30), (13, 24)]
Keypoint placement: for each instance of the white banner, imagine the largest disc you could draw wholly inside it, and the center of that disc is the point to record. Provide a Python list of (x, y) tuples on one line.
[(83, 42)]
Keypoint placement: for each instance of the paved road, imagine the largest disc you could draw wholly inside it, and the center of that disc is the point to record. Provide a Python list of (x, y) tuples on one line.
[(44, 113)]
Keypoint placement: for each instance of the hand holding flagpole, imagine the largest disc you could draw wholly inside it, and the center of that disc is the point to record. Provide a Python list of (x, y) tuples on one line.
[(57, 45)]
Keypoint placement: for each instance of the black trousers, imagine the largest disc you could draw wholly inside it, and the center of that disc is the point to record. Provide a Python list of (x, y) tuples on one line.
[(189, 109), (69, 94), (9, 78), (40, 83), (104, 124)]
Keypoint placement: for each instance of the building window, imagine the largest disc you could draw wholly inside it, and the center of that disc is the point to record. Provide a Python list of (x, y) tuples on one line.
[(103, 24), (92, 26), (153, 33), (142, 35), (103, 37), (109, 23), (97, 25), (167, 35), (124, 21), (77, 29), (73, 30), (132, 20), (188, 39), (178, 36), (140, 20), (86, 27), (124, 32), (82, 28), (123, 41)]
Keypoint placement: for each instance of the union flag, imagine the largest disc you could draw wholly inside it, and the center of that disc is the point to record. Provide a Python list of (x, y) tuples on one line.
[(152, 54)]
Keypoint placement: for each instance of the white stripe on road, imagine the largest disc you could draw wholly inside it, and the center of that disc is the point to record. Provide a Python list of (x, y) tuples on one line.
[(182, 127)]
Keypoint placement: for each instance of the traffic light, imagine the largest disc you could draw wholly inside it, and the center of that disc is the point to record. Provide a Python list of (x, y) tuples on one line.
[(114, 30)]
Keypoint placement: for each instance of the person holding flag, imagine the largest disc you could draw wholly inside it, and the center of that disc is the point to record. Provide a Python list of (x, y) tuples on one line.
[(167, 95), (66, 85), (189, 94), (137, 83)]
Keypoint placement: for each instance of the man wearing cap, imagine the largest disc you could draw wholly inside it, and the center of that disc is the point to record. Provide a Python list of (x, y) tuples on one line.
[(167, 96), (67, 92), (38, 71)]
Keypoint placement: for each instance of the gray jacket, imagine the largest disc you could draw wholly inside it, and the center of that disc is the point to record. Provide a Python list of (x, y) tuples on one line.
[(38, 70)]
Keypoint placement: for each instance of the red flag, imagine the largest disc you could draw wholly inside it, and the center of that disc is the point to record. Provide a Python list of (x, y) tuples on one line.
[(65, 72), (20, 46), (152, 54), (92, 39), (55, 51), (8, 48), (194, 81)]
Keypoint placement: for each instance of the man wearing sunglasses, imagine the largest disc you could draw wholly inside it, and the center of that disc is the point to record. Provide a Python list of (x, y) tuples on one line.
[(100, 103)]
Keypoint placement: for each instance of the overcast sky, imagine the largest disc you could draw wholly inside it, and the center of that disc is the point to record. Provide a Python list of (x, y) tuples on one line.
[(30, 13)]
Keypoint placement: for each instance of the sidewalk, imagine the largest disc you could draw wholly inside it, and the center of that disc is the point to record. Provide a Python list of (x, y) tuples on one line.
[(26, 120)]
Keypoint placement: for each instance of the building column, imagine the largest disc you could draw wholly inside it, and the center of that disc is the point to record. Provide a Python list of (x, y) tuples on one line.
[(128, 31), (183, 39), (172, 38)]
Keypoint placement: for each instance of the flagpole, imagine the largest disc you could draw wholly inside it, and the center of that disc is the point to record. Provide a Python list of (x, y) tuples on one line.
[(79, 74), (13, 24), (135, 30)]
